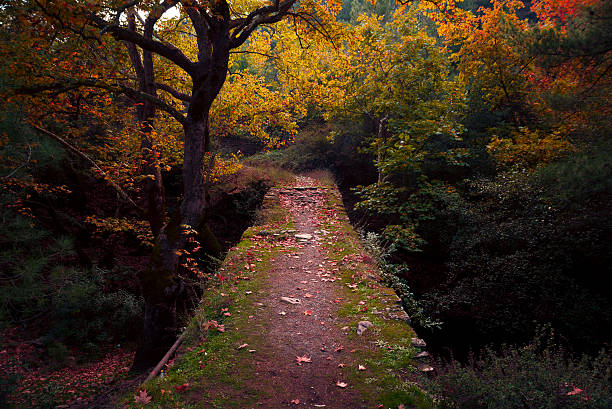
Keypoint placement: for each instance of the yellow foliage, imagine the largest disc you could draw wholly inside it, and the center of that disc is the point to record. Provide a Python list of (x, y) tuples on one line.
[(223, 166), (530, 148), (489, 53), (122, 225)]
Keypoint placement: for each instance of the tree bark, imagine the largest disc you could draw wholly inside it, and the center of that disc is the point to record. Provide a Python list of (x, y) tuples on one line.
[(193, 172), (381, 142)]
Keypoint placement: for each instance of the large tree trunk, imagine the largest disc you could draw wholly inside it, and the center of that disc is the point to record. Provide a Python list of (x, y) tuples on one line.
[(161, 284), (193, 171), (160, 290)]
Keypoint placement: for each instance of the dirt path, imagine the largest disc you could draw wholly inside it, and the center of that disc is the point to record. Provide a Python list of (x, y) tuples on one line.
[(309, 329), (277, 327)]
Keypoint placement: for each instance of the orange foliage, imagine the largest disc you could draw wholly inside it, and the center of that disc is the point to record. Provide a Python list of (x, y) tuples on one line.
[(559, 11)]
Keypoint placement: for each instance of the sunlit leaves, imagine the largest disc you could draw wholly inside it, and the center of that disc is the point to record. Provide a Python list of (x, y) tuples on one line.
[(490, 55), (530, 148)]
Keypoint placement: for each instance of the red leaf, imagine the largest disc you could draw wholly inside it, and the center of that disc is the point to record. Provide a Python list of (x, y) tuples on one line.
[(142, 397), (301, 359), (182, 388)]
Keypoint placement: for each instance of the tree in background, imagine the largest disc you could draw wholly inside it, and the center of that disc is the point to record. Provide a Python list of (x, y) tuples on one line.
[(397, 78)]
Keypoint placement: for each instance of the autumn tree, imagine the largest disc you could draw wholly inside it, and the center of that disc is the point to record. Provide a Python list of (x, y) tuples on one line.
[(195, 50), (572, 45), (397, 79)]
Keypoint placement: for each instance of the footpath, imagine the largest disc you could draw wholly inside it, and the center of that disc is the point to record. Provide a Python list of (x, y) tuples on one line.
[(297, 317)]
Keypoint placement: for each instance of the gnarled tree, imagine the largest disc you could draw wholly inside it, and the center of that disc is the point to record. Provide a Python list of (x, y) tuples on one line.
[(215, 27)]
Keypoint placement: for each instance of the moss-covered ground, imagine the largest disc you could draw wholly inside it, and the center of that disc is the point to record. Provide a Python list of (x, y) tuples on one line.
[(214, 367)]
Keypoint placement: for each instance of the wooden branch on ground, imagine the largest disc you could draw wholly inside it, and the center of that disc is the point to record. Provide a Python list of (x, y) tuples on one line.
[(165, 359)]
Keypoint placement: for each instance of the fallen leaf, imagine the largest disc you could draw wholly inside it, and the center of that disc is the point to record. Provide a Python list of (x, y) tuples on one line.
[(295, 401), (142, 397), (308, 295), (242, 346), (340, 348), (308, 312), (301, 359), (575, 391), (210, 324), (182, 387), (341, 384), (341, 365), (329, 358), (361, 368)]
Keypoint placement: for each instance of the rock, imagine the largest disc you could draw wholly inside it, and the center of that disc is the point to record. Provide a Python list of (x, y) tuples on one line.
[(426, 368), (401, 316), (422, 354), (290, 300), (419, 343), (303, 236), (362, 326)]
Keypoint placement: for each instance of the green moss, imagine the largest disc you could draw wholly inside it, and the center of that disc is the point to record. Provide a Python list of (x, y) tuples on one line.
[(218, 373), (391, 370), (222, 376)]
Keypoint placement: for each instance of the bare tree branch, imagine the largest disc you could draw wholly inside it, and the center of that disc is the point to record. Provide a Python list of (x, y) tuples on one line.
[(83, 156), (118, 14), (172, 91), (165, 50), (243, 27), (121, 89)]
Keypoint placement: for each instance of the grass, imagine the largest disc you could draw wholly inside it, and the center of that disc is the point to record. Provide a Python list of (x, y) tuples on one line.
[(219, 374), (393, 377)]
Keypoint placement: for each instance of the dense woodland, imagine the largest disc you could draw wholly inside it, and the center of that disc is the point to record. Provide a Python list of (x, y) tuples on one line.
[(471, 141)]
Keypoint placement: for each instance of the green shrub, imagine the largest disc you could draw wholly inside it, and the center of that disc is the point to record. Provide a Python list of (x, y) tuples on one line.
[(581, 177), (73, 304), (82, 311), (314, 149), (517, 260), (40, 286), (526, 377)]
